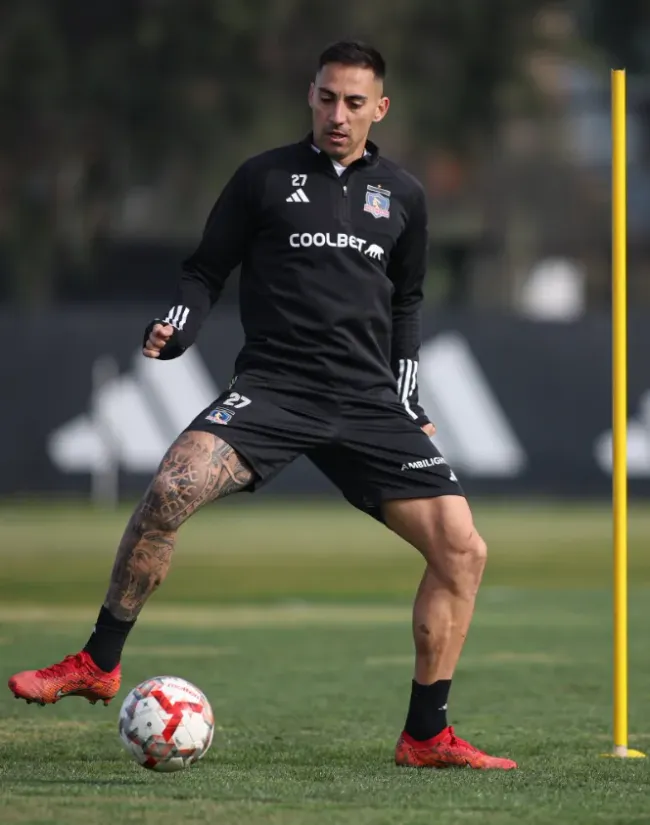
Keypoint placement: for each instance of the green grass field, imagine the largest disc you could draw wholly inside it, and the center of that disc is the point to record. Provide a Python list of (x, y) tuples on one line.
[(295, 622)]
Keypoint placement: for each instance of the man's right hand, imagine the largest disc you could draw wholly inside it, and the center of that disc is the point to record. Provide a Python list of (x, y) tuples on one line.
[(158, 337)]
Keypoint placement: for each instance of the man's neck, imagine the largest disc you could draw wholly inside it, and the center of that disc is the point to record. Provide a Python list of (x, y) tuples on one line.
[(347, 161)]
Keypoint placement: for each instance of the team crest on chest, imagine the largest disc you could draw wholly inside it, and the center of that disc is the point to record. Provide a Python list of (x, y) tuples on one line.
[(377, 202)]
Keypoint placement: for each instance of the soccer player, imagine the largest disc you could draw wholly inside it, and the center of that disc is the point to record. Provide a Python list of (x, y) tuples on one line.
[(332, 241)]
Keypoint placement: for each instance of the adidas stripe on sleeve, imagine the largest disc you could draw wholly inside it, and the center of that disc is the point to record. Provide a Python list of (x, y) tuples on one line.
[(177, 317), (407, 377)]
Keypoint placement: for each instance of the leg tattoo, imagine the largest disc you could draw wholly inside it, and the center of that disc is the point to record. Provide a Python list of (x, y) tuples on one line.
[(196, 469)]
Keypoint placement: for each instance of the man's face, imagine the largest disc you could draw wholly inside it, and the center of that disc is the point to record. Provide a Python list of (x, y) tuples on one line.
[(345, 102)]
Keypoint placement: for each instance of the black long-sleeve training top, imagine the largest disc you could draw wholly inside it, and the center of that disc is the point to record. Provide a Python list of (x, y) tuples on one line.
[(332, 268)]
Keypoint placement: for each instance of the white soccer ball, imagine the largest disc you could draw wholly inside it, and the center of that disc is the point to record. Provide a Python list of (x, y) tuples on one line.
[(166, 724)]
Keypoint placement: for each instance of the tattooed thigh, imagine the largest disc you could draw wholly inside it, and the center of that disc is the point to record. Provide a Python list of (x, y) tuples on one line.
[(197, 468)]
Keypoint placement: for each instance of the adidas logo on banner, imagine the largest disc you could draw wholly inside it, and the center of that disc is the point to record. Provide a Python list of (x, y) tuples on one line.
[(298, 197), (132, 418)]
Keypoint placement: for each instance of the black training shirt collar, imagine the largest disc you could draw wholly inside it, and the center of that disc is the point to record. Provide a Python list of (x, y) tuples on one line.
[(369, 159)]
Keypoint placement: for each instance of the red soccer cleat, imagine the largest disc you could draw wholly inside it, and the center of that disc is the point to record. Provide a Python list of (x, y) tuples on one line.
[(74, 676), (446, 751)]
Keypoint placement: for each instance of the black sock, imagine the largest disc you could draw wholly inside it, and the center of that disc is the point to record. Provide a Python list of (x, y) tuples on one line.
[(107, 640), (427, 715)]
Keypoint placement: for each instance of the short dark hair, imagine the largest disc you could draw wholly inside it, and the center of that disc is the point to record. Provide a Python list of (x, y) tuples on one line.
[(354, 53)]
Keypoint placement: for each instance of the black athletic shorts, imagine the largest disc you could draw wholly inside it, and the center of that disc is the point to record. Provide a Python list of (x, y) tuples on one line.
[(368, 447)]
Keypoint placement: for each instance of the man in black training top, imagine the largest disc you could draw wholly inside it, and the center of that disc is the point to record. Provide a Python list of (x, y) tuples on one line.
[(332, 242)]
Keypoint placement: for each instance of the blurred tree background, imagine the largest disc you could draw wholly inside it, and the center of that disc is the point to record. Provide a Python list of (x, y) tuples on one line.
[(120, 122)]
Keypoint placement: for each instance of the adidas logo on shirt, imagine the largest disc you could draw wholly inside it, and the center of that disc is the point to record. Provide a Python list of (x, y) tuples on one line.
[(298, 197)]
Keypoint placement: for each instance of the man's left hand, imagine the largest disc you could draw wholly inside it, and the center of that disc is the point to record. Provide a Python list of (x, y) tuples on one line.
[(429, 429)]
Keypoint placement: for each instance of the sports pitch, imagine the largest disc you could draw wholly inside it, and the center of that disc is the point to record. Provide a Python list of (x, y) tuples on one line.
[(295, 622)]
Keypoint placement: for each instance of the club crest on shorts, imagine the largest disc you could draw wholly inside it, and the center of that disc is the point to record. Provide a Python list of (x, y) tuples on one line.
[(377, 202), (219, 416)]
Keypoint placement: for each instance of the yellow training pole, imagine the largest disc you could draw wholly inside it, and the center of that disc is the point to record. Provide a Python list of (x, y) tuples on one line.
[(619, 410)]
